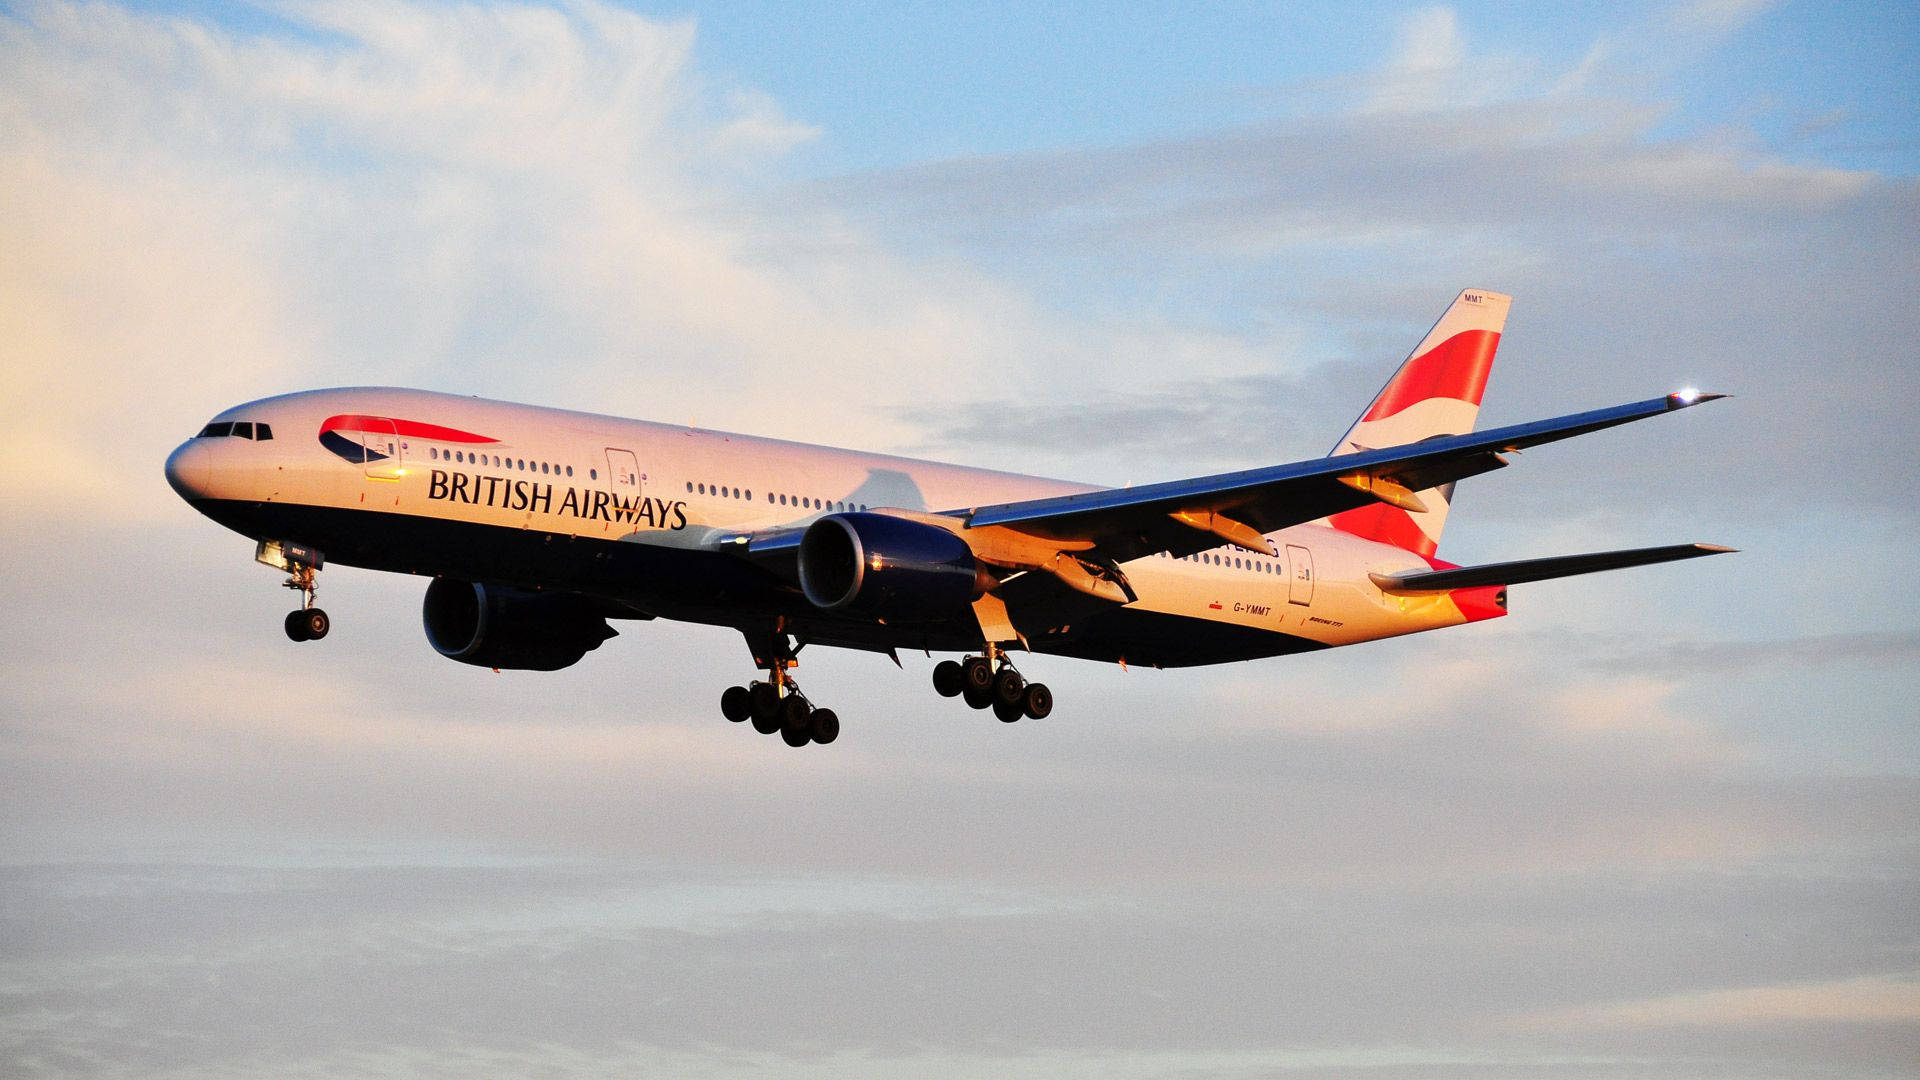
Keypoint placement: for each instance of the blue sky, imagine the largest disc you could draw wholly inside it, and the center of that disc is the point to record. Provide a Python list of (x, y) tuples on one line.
[(1655, 824)]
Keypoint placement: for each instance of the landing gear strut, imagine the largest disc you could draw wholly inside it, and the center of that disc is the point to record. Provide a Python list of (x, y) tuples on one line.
[(302, 564), (989, 681), (777, 703)]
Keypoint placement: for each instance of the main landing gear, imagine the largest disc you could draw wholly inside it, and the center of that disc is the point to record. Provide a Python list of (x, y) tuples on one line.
[(990, 681), (777, 703)]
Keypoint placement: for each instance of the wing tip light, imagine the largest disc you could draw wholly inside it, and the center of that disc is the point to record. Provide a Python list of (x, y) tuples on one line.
[(1687, 397)]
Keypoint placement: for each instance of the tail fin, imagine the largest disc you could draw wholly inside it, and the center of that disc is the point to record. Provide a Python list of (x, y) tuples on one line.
[(1436, 392)]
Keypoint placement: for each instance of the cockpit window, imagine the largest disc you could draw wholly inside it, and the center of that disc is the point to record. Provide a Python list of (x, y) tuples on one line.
[(238, 429)]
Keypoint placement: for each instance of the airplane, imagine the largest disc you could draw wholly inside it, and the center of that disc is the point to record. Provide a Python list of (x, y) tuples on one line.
[(539, 526)]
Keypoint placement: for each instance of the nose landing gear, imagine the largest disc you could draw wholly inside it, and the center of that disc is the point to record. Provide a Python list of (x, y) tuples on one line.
[(989, 681), (302, 564), (777, 703)]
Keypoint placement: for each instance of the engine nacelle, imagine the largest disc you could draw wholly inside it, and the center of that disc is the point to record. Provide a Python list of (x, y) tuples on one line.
[(500, 627), (888, 567)]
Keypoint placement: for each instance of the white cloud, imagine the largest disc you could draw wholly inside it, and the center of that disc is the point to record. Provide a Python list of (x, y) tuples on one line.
[(511, 199)]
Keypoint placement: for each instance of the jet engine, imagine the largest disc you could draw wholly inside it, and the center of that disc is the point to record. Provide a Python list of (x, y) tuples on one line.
[(888, 567), (501, 627)]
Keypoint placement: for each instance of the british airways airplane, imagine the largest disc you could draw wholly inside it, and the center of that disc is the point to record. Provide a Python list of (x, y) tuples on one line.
[(537, 527)]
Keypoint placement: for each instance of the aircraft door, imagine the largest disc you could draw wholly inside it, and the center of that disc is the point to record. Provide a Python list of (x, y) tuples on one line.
[(623, 472), (1299, 575), (385, 455)]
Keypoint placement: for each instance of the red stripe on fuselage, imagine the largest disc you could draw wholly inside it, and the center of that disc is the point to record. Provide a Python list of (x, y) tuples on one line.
[(412, 429), (1455, 368)]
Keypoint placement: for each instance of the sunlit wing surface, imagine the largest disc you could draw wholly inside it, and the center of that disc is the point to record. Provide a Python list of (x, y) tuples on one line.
[(1126, 523)]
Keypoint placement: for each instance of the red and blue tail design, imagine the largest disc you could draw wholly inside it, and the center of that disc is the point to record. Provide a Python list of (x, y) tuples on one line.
[(1436, 392)]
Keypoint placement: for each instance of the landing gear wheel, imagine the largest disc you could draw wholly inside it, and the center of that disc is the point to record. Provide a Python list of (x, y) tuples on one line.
[(1009, 688), (1039, 701), (826, 726), (948, 679), (736, 703), (1007, 713), (308, 624), (764, 708), (977, 699), (977, 673), (796, 721)]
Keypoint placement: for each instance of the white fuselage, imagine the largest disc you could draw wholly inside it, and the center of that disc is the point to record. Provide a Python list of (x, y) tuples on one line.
[(427, 496)]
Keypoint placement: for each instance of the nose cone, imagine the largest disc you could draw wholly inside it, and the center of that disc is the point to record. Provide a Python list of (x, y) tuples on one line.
[(190, 469)]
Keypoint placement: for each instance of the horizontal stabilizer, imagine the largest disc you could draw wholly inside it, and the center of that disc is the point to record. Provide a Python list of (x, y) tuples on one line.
[(1525, 570)]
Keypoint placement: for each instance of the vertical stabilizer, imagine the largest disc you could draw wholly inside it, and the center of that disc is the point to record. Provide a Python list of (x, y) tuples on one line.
[(1436, 392)]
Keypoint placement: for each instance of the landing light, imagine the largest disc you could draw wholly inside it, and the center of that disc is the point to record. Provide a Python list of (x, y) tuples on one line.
[(1688, 395)]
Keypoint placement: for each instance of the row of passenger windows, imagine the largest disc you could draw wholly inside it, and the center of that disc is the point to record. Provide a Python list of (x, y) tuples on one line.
[(807, 502), (1234, 562), (238, 429), (474, 457)]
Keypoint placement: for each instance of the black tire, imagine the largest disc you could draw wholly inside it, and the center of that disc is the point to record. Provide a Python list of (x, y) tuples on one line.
[(296, 626), (977, 674), (1009, 688), (948, 679), (764, 708), (796, 721), (736, 703), (1039, 701), (762, 701), (977, 699), (316, 622), (1007, 713), (826, 726)]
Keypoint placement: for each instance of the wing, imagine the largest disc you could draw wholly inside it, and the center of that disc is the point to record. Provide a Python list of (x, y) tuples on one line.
[(1185, 516), (1078, 541)]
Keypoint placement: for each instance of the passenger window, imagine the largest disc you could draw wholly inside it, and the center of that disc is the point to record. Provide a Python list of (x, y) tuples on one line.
[(689, 487), (262, 432), (593, 474), (569, 470), (702, 489)]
